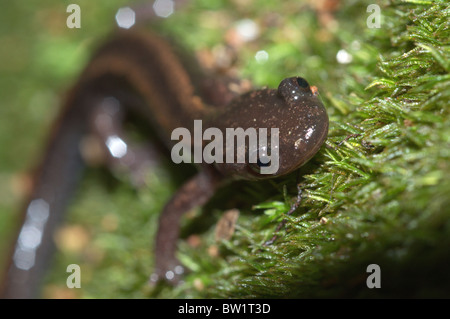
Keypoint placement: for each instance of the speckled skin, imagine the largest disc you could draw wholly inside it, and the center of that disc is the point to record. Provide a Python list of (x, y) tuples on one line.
[(143, 74)]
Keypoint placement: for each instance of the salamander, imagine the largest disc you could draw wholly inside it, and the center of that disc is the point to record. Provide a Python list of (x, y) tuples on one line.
[(137, 71)]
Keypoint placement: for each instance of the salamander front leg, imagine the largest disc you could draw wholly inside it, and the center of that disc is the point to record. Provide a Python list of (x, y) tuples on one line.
[(195, 192)]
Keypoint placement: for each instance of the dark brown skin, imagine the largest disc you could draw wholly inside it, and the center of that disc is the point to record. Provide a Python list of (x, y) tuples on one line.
[(143, 75)]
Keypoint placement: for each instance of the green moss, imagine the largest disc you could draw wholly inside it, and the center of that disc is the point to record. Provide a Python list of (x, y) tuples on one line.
[(381, 183)]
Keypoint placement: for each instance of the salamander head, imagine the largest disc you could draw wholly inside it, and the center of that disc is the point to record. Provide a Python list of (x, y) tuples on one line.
[(291, 124)]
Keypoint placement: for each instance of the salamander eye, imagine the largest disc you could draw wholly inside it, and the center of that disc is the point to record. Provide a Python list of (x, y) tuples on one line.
[(302, 83), (292, 89), (262, 159)]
